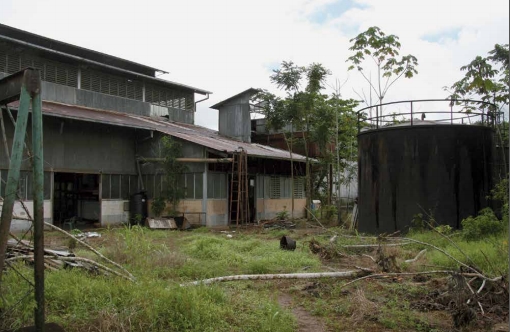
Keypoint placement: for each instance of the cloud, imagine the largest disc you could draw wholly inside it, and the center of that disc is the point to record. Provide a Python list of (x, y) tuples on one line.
[(227, 46)]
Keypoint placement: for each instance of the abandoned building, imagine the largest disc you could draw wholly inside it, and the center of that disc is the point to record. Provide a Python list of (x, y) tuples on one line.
[(103, 118)]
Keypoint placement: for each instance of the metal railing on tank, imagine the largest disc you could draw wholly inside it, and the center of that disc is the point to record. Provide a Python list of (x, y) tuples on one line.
[(424, 112)]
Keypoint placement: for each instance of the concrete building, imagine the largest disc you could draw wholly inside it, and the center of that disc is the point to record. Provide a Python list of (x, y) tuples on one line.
[(103, 114)]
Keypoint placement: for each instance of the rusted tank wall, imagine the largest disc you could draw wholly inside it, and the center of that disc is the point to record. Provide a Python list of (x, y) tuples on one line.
[(442, 170)]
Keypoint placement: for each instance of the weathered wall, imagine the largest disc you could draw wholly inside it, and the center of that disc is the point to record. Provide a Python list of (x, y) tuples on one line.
[(73, 96), (269, 208), (112, 212), (22, 225), (234, 121), (77, 146), (217, 212), (442, 170)]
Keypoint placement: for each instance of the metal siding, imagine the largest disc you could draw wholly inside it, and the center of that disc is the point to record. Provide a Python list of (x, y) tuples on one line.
[(445, 171)]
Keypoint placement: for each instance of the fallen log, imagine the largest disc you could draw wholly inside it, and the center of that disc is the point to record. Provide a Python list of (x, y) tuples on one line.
[(421, 253), (344, 274)]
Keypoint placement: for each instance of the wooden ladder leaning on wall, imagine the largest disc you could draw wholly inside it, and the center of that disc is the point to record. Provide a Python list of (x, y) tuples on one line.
[(239, 207)]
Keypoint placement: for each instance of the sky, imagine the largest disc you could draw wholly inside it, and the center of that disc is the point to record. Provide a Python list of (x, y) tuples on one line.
[(228, 46)]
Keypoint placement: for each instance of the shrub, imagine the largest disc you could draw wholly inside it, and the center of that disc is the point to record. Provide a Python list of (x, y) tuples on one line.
[(482, 225)]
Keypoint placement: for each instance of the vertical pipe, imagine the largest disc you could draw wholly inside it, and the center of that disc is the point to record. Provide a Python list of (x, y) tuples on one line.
[(451, 113), (411, 113), (204, 191), (14, 173), (377, 117), (38, 174)]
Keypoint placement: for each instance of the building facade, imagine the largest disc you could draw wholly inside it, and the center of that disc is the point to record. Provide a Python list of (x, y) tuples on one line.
[(103, 119)]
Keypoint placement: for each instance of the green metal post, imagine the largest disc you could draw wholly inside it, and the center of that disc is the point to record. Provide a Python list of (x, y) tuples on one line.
[(13, 175), (38, 175)]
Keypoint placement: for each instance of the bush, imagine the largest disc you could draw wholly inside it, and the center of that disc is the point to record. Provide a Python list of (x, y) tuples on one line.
[(482, 225)]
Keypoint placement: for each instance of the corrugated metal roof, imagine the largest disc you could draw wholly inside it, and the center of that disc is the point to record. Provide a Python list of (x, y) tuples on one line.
[(191, 133), (250, 92)]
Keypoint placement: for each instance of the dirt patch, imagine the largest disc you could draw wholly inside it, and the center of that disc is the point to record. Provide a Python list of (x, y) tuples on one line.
[(306, 322)]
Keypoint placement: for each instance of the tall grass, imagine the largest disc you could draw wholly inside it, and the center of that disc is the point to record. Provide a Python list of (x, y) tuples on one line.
[(160, 260)]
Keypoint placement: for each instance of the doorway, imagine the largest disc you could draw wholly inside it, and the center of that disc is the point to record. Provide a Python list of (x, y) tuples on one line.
[(76, 199)]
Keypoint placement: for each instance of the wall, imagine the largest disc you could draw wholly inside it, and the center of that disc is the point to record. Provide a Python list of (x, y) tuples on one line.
[(234, 121), (22, 225), (217, 212), (446, 171), (73, 96), (112, 212), (269, 208), (77, 146)]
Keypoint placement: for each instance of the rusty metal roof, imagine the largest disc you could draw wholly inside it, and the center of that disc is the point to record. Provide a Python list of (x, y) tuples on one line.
[(188, 132)]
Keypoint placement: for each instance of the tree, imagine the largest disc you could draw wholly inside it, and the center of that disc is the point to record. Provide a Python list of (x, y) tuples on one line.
[(173, 170), (306, 110), (383, 50), (486, 79)]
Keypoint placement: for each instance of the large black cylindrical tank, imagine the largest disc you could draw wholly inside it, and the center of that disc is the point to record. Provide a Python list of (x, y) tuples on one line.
[(138, 208), (442, 170)]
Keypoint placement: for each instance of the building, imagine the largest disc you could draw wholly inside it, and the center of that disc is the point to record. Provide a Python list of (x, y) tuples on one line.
[(103, 116)]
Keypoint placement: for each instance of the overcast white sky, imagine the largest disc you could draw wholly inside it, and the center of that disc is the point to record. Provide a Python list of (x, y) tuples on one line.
[(227, 46)]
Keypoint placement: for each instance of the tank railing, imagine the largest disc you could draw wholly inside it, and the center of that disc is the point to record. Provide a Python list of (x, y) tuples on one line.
[(487, 116)]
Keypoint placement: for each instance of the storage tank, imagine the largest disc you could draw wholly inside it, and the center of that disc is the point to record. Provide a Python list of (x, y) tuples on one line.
[(442, 170), (138, 208)]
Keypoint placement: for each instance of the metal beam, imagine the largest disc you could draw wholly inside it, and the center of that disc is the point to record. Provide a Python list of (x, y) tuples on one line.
[(189, 160), (10, 87)]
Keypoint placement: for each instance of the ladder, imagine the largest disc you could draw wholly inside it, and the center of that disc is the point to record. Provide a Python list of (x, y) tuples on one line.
[(239, 206)]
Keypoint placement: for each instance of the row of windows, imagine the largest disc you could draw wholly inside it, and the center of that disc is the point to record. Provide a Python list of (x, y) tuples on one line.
[(26, 184), (280, 187), (51, 71), (111, 85), (93, 80), (115, 186)]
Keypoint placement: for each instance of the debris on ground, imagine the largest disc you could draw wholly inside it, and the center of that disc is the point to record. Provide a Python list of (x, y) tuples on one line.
[(277, 224)]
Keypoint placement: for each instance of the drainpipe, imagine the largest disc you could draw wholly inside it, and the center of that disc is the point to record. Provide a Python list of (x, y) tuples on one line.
[(199, 101)]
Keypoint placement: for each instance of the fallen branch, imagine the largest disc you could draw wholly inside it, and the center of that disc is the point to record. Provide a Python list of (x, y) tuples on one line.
[(384, 275), (99, 265), (344, 274), (90, 248), (375, 245), (421, 253), (314, 217)]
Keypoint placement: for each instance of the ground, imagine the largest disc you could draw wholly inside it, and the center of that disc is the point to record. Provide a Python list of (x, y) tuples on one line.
[(162, 260)]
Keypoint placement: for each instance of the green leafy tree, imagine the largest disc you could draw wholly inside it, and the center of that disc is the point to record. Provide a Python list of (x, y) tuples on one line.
[(309, 111), (173, 170), (486, 79), (374, 46)]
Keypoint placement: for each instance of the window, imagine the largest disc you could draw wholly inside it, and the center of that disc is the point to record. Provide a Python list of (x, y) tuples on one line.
[(217, 185), (274, 187), (299, 187), (26, 184), (105, 186)]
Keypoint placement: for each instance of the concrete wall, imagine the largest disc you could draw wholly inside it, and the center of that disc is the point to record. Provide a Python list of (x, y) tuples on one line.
[(22, 225), (113, 213), (269, 208), (217, 212)]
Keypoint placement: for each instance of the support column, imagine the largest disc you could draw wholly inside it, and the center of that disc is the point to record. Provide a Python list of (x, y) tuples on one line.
[(204, 192)]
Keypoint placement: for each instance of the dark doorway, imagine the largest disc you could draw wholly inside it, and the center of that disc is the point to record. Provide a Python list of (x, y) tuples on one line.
[(76, 199)]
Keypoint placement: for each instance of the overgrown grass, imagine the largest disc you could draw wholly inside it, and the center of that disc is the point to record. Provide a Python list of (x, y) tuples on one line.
[(489, 254), (160, 260)]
